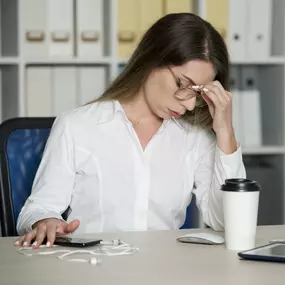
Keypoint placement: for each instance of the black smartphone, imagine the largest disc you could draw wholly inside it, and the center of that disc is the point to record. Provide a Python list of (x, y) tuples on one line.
[(76, 242)]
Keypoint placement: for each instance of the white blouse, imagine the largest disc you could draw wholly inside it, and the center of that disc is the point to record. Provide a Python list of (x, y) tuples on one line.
[(94, 163)]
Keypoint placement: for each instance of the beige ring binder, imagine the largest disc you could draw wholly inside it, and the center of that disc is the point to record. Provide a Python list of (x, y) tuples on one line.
[(35, 36), (60, 36), (90, 36)]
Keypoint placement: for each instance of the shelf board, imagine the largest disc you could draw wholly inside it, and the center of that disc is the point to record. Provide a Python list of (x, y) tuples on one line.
[(108, 60), (9, 60), (269, 61), (263, 150), (68, 61)]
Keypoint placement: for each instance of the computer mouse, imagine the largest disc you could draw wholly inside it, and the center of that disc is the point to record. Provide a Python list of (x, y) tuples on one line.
[(202, 238)]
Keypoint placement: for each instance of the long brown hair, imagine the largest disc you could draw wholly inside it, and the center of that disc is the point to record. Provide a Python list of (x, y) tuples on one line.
[(173, 40)]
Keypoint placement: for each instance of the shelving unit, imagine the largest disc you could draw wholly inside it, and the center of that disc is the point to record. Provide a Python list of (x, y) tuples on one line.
[(16, 62), (264, 150)]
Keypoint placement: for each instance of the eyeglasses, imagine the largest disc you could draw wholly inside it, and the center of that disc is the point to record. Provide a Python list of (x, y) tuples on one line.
[(189, 91)]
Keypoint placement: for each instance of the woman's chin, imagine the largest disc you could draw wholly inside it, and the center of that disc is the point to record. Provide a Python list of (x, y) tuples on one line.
[(161, 115), (165, 116)]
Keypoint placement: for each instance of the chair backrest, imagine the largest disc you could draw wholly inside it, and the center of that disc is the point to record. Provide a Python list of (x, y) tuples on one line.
[(22, 141), (192, 219), (188, 221)]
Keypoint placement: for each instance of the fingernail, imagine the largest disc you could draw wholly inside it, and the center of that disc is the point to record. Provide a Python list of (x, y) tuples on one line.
[(205, 89), (17, 242), (48, 244), (25, 243), (35, 243)]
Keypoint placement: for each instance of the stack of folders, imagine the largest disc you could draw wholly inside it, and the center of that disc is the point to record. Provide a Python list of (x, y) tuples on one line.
[(58, 30), (53, 90), (248, 26), (246, 106)]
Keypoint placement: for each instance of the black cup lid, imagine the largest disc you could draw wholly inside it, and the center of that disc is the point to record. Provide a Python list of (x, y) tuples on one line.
[(240, 185)]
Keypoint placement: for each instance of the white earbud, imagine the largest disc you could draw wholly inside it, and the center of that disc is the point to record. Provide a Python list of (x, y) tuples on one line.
[(114, 242), (94, 261)]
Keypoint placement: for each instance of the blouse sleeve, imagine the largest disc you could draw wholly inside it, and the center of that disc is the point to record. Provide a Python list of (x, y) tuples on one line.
[(212, 169)]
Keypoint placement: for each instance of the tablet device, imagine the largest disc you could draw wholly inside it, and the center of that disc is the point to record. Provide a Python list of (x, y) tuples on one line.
[(274, 252)]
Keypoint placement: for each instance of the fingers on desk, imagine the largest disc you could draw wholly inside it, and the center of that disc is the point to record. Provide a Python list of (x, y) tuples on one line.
[(25, 240)]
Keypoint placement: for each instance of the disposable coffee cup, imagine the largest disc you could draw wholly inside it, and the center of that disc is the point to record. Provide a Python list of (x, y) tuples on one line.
[(240, 204)]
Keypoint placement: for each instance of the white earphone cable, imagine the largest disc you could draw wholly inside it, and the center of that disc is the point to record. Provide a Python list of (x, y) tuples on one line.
[(107, 248)]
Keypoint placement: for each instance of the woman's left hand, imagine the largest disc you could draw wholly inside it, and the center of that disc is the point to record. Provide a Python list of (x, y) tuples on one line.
[(219, 102)]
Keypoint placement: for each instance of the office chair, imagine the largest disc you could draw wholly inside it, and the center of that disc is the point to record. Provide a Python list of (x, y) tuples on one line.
[(22, 141)]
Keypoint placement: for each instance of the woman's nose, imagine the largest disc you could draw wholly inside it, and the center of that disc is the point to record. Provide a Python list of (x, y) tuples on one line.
[(189, 104)]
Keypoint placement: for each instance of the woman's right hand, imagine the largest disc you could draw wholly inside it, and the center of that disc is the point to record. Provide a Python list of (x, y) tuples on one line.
[(46, 229)]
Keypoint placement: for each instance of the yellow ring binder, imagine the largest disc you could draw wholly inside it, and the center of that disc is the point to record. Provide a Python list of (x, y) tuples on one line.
[(126, 36)]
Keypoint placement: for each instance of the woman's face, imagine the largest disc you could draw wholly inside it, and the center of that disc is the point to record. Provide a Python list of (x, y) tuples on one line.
[(165, 88)]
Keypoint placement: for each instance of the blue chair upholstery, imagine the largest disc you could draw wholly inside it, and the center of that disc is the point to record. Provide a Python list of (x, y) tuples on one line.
[(22, 142), (188, 224), (192, 219), (24, 153)]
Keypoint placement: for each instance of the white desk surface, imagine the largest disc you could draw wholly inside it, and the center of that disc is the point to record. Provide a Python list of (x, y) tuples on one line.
[(161, 260)]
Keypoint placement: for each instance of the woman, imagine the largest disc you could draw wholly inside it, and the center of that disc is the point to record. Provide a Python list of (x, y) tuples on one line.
[(132, 159)]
